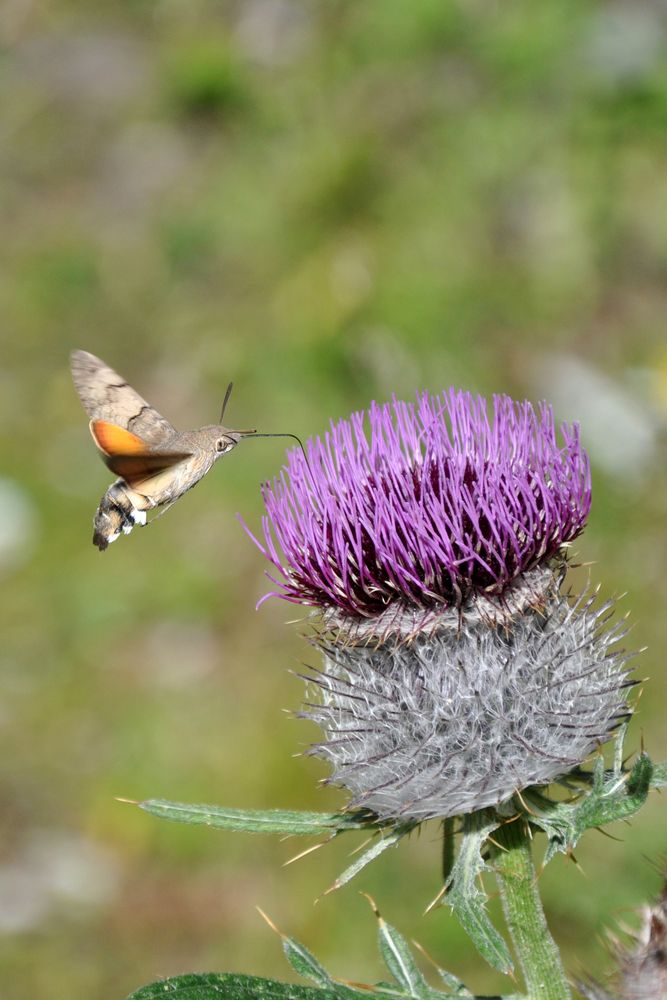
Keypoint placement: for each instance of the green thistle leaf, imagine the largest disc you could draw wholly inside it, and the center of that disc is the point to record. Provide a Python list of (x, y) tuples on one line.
[(304, 962), (467, 900), (612, 796), (283, 821), (229, 986), (216, 986), (453, 983), (384, 841), (399, 961)]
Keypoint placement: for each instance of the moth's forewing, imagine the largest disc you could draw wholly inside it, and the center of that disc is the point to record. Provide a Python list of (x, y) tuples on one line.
[(107, 396)]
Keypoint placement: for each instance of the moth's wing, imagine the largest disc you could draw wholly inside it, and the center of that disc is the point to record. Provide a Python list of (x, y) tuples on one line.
[(139, 470), (157, 485), (107, 396), (128, 455), (113, 440)]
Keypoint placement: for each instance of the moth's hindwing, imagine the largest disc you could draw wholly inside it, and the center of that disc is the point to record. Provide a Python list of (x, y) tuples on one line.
[(114, 440), (126, 454)]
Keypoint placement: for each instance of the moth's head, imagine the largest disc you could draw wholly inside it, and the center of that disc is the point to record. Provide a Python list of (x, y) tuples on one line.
[(218, 439)]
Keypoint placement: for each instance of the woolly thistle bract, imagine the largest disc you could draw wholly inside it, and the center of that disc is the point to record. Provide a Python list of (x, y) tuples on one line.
[(462, 716), (431, 538)]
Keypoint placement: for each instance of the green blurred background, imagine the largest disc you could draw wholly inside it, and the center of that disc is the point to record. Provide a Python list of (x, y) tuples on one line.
[(327, 201)]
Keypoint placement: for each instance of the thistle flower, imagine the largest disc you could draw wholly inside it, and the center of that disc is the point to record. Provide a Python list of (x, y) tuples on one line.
[(431, 538)]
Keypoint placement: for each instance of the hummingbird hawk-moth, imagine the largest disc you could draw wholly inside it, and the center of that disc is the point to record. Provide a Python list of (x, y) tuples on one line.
[(155, 463)]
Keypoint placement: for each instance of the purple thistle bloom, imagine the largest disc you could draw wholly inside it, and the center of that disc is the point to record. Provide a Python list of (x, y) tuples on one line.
[(434, 502), (430, 537)]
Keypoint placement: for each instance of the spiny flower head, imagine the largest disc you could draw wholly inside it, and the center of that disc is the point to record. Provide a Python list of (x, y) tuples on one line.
[(465, 714), (430, 536), (424, 504)]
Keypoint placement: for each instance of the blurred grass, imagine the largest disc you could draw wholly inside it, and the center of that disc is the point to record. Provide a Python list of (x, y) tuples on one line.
[(327, 202)]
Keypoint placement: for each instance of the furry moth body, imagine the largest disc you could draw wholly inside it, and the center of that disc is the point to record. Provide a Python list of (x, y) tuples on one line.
[(155, 463)]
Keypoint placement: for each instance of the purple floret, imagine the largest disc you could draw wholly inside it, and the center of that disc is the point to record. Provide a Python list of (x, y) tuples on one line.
[(424, 504)]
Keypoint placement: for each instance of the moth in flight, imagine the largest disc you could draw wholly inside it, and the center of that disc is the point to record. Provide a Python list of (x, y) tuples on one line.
[(155, 463)]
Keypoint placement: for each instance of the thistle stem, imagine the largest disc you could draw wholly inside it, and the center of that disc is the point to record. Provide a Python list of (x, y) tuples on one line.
[(535, 949)]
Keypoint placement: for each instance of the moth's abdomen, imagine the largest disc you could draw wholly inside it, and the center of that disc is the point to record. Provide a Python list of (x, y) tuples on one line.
[(116, 514), (107, 523), (125, 504)]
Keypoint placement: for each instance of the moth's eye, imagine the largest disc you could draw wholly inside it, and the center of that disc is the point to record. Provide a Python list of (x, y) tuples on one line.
[(223, 444)]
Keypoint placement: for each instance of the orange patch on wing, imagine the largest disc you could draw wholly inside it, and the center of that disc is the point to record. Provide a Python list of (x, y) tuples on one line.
[(114, 440)]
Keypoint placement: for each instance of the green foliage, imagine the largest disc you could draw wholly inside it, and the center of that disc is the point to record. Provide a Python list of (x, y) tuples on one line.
[(604, 797), (399, 961), (304, 963), (257, 820), (408, 981), (467, 899), (388, 837), (611, 797), (212, 986)]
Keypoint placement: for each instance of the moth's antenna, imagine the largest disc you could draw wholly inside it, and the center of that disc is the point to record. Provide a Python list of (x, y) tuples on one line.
[(226, 400)]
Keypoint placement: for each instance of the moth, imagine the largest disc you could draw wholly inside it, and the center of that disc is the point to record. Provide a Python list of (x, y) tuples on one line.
[(155, 464)]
